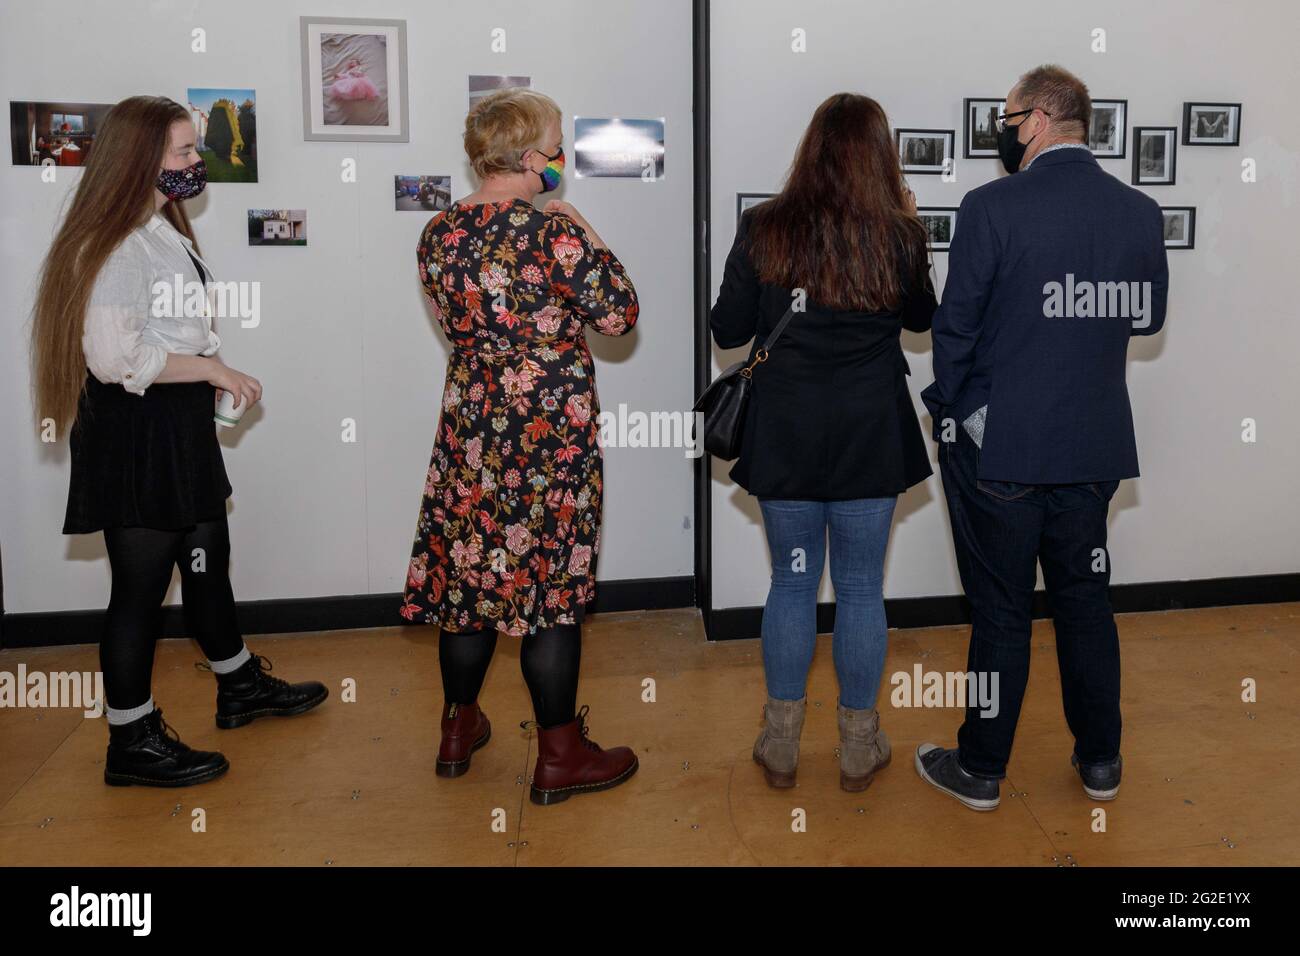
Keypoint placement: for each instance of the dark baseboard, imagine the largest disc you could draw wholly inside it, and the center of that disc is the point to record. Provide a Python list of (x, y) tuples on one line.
[(740, 623), (53, 628)]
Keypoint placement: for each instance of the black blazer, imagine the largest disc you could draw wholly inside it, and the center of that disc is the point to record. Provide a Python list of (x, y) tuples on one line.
[(830, 417), (1058, 404)]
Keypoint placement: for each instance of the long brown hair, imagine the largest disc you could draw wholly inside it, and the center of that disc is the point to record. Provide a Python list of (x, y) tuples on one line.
[(115, 196), (840, 228)]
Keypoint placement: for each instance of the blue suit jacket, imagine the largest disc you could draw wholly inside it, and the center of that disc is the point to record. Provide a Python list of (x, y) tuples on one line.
[(1009, 333)]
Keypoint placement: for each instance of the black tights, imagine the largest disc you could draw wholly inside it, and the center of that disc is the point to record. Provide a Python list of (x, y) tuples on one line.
[(142, 560), (549, 659)]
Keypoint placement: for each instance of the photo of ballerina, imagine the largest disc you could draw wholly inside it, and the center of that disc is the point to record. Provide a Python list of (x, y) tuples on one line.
[(354, 79)]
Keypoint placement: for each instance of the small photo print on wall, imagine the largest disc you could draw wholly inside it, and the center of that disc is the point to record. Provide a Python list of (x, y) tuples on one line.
[(1106, 132), (939, 222), (622, 148), (749, 201), (53, 134), (421, 193), (1154, 155), (924, 150), (1180, 226), (481, 86), (354, 79), (277, 227), (981, 139), (1211, 124), (225, 121)]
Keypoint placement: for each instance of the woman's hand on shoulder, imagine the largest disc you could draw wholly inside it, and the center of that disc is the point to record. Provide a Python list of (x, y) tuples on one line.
[(558, 207)]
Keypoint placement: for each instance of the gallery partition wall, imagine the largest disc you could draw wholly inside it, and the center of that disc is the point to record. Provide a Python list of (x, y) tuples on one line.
[(1212, 520), (329, 470)]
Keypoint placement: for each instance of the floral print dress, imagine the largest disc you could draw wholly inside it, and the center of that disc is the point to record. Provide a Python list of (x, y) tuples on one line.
[(509, 524)]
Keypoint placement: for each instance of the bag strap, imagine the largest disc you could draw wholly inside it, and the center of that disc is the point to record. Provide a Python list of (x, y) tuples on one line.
[(760, 355)]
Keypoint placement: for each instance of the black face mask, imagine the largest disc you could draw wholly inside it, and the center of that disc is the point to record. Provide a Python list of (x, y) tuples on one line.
[(1010, 150)]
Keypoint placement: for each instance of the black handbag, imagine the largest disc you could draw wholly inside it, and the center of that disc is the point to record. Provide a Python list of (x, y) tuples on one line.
[(725, 401)]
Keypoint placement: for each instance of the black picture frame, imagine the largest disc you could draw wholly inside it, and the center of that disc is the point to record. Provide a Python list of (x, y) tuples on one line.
[(1171, 133), (1191, 226), (1122, 106), (951, 212), (740, 202), (968, 126), (950, 140), (1187, 124)]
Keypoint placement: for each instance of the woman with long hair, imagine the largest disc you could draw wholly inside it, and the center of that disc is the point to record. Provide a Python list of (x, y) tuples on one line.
[(831, 436), (137, 379), (509, 524)]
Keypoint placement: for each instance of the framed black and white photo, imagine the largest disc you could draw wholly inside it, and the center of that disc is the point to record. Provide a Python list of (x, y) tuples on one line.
[(939, 222), (1180, 226), (1106, 132), (1211, 124), (927, 151), (748, 200), (354, 80), (1155, 151), (980, 129)]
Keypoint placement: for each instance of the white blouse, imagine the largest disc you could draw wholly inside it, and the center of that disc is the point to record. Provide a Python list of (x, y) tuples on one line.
[(124, 341)]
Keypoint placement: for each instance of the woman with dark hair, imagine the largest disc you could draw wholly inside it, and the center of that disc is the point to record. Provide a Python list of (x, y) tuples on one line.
[(831, 436), (139, 384)]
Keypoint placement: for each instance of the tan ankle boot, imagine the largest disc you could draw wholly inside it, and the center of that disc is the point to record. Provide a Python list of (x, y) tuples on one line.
[(864, 748), (777, 748)]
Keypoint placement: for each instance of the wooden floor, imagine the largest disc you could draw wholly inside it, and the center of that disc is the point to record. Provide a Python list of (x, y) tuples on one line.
[(1208, 779)]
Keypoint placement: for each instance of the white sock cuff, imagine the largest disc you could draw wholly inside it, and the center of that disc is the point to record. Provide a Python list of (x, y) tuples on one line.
[(231, 664), (119, 717)]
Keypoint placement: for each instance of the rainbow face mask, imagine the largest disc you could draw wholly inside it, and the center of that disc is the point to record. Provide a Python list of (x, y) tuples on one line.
[(550, 175)]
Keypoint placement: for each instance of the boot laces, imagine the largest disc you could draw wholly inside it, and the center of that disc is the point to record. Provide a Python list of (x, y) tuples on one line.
[(262, 675), (585, 731), (167, 732)]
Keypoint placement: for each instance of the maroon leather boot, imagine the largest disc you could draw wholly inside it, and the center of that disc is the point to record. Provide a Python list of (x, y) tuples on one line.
[(465, 729), (569, 762)]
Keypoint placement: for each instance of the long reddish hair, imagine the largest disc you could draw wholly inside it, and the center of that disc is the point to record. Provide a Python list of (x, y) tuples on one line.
[(114, 197), (840, 228)]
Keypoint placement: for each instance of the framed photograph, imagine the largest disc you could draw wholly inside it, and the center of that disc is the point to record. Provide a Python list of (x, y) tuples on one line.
[(981, 127), (277, 227), (621, 148), (1155, 150), (1180, 226), (354, 80), (925, 151), (1211, 124), (421, 193), (226, 123), (939, 222), (1106, 133), (53, 134), (748, 200), (481, 85)]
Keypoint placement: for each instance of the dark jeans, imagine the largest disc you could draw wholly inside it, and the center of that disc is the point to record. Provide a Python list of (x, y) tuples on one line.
[(1001, 530)]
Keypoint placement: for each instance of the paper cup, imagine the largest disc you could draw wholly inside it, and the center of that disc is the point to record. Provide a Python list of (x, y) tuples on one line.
[(227, 415)]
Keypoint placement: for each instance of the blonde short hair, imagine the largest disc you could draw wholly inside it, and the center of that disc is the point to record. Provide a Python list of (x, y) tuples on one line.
[(504, 124)]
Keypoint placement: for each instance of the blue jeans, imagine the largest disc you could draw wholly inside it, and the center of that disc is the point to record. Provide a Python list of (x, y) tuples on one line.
[(796, 539)]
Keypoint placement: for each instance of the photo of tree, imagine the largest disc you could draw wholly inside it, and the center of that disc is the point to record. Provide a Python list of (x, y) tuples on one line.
[(226, 123)]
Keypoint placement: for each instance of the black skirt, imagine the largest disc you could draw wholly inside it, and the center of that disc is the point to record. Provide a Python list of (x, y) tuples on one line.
[(145, 461)]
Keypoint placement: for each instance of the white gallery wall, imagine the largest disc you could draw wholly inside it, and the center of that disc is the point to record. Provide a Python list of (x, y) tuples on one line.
[(1207, 504), (345, 330)]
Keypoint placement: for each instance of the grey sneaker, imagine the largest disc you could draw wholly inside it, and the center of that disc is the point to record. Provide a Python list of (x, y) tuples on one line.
[(1100, 780), (939, 768)]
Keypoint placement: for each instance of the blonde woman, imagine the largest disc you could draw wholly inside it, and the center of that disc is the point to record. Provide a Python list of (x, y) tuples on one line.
[(139, 390), (509, 525)]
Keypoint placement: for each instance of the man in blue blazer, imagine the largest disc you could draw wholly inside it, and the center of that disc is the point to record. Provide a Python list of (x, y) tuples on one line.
[(1049, 272)]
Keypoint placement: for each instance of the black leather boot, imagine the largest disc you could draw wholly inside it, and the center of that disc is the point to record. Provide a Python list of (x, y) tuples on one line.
[(149, 752), (250, 692)]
